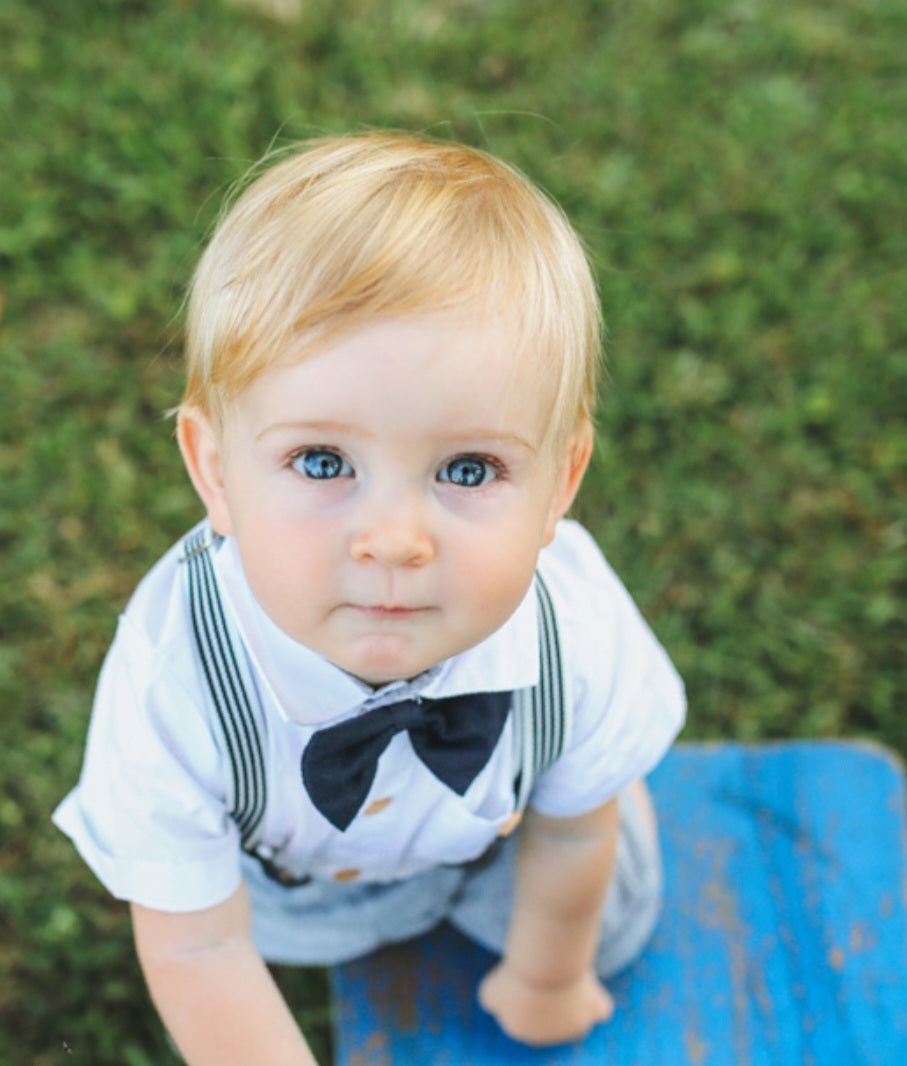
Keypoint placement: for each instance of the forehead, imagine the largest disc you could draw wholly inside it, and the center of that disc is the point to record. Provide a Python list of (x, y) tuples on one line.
[(429, 375)]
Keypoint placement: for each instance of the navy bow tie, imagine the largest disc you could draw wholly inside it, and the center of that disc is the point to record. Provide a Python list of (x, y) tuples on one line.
[(454, 737)]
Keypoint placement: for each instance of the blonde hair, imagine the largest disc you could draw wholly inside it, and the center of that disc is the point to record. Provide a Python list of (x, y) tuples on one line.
[(348, 230)]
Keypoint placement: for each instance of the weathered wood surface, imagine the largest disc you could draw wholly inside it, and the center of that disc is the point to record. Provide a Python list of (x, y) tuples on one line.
[(784, 938)]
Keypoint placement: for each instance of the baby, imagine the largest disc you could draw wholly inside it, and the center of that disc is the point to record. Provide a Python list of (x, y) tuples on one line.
[(385, 682)]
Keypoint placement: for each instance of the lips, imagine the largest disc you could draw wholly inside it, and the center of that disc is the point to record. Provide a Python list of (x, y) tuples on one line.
[(384, 611)]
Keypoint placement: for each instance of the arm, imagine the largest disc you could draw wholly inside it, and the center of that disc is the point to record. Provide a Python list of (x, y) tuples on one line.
[(545, 990), (212, 989)]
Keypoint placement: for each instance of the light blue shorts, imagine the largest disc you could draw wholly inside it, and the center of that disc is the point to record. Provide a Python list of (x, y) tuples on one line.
[(324, 922)]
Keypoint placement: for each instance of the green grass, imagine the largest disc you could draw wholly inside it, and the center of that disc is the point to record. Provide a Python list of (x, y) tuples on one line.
[(738, 171)]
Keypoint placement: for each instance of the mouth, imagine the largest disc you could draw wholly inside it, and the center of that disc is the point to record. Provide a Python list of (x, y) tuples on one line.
[(389, 611)]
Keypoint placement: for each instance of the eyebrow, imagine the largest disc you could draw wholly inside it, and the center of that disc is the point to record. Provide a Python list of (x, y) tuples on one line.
[(315, 426), (329, 427)]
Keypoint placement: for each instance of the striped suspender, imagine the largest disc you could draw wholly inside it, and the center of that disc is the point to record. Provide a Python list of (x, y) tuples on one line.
[(231, 686), (540, 713), (540, 718)]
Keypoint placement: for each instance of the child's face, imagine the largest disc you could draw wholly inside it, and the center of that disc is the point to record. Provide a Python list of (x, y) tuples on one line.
[(389, 495)]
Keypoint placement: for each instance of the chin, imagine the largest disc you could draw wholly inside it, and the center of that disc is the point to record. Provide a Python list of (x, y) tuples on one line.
[(381, 669), (378, 678)]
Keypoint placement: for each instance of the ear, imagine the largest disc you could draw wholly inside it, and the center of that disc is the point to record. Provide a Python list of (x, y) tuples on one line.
[(569, 476), (202, 454)]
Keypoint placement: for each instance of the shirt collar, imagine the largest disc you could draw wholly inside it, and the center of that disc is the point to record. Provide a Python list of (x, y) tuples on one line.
[(310, 690)]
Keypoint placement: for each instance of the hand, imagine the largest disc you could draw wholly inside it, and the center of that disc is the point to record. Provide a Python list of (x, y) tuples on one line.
[(540, 1015)]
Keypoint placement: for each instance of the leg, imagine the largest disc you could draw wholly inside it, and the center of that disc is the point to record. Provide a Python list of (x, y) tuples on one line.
[(323, 923), (482, 908)]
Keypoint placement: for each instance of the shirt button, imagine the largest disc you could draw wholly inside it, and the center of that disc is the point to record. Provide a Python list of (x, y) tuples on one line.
[(510, 824), (347, 875), (378, 805)]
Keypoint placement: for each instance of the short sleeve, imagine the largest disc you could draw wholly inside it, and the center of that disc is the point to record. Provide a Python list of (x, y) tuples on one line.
[(628, 702), (149, 813)]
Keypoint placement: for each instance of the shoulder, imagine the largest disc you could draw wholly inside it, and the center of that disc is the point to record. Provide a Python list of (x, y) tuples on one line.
[(627, 699), (604, 630), (151, 674), (149, 811), (157, 607), (155, 628), (584, 587)]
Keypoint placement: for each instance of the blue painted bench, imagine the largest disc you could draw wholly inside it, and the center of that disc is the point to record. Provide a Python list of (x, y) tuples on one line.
[(784, 938)]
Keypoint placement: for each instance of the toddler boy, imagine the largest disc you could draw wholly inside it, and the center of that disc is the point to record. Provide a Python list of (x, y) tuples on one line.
[(384, 683)]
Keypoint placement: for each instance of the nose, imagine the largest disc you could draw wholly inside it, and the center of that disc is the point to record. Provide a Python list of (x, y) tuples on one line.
[(393, 533)]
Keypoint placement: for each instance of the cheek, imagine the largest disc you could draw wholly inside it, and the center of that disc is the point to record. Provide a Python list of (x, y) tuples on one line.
[(494, 571), (285, 563)]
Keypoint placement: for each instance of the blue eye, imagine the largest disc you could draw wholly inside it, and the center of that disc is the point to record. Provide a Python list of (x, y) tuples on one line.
[(469, 471), (321, 464)]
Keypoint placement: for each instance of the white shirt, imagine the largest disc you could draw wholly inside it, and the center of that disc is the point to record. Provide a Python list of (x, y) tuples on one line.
[(149, 814)]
